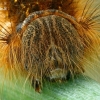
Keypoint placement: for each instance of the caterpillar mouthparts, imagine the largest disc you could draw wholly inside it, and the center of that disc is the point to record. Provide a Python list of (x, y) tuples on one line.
[(52, 42)]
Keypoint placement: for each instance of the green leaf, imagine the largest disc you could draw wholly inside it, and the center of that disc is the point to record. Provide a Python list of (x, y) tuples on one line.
[(81, 88)]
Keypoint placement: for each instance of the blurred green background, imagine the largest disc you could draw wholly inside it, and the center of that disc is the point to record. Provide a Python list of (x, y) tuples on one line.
[(81, 88)]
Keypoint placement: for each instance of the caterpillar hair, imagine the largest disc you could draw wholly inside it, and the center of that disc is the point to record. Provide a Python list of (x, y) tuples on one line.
[(47, 39)]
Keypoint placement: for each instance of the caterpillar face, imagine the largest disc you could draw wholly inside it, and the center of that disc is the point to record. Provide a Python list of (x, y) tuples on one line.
[(51, 46), (50, 42)]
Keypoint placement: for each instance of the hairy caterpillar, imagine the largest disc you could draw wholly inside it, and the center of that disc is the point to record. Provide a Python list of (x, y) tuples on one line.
[(51, 40)]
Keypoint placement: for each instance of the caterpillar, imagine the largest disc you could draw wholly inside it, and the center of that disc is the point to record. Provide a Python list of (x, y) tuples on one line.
[(48, 39)]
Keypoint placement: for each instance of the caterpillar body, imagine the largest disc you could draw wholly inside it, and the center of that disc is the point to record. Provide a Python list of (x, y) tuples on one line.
[(51, 42)]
